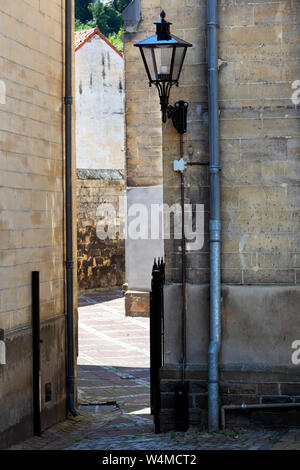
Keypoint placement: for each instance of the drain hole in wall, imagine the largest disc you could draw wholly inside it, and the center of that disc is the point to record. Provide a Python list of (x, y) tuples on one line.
[(48, 392)]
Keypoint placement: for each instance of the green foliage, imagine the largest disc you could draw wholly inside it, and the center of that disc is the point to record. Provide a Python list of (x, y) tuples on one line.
[(106, 16), (116, 39), (82, 11), (79, 26)]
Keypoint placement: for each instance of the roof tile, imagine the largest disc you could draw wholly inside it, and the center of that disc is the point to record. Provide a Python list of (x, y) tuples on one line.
[(81, 37)]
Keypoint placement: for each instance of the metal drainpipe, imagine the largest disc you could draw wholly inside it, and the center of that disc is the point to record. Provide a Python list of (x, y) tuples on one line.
[(215, 223), (69, 209), (183, 268)]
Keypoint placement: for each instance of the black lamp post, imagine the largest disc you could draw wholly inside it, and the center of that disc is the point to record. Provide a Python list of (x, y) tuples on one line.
[(163, 55)]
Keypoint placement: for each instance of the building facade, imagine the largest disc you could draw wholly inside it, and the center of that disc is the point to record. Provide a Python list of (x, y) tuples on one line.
[(100, 158), (32, 220), (143, 157), (259, 67)]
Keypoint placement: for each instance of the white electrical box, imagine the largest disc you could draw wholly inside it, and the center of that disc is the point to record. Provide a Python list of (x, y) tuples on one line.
[(180, 165)]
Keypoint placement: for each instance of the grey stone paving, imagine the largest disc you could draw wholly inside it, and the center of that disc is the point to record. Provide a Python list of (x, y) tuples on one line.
[(250, 440), (113, 390)]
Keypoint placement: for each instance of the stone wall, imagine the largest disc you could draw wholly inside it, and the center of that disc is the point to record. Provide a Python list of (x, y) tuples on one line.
[(259, 152), (143, 151), (32, 209), (259, 140), (101, 262), (16, 381), (250, 386), (142, 115)]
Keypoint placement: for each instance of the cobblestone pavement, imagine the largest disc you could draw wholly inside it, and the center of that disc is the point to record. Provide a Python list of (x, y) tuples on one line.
[(113, 390)]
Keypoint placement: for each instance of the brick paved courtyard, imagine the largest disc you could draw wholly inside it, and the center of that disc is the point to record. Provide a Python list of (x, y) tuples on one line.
[(113, 364), (113, 389)]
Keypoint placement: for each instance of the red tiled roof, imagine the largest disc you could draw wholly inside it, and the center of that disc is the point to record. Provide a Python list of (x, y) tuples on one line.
[(81, 37)]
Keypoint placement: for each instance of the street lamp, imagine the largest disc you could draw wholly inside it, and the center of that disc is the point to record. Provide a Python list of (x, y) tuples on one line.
[(163, 55)]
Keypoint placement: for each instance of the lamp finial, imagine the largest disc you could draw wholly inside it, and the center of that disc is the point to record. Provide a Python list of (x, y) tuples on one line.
[(163, 15)]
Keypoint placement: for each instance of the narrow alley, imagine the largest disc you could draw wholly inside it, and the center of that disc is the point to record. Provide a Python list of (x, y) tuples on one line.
[(149, 228), (114, 395), (113, 363)]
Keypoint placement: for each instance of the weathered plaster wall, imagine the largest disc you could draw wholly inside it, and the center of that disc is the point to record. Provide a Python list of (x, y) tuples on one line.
[(32, 208), (261, 338), (140, 252), (99, 106), (100, 137)]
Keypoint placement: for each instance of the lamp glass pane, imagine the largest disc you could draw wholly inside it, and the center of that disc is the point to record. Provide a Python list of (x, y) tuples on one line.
[(151, 62), (164, 63), (159, 60), (178, 62), (164, 55)]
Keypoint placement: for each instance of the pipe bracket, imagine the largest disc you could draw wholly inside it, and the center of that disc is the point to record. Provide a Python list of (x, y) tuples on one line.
[(214, 169), (68, 100), (71, 380)]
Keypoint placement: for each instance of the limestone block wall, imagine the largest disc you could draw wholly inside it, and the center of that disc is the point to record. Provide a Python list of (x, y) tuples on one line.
[(189, 23), (259, 153), (32, 208), (143, 120), (259, 141), (259, 66), (143, 153)]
